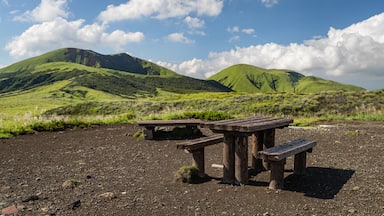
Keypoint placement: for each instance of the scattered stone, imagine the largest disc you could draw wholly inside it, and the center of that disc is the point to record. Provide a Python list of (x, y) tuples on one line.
[(31, 198), (75, 204), (109, 195), (71, 183), (356, 188), (9, 210), (352, 211)]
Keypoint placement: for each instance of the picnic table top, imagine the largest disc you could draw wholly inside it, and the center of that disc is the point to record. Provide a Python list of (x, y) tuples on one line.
[(247, 125)]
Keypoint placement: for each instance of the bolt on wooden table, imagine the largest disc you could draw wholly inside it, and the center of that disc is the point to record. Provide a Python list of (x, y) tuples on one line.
[(235, 151)]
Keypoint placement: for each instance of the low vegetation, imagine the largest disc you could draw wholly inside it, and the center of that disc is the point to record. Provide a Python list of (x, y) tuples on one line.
[(305, 109), (187, 174)]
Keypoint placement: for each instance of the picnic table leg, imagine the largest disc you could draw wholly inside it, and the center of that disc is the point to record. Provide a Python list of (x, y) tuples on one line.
[(269, 141), (241, 159), (257, 145), (148, 132), (229, 159)]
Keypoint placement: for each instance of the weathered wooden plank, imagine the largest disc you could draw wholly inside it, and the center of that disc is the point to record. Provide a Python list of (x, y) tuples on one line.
[(291, 148), (199, 143), (232, 124), (272, 123), (229, 121), (247, 125), (177, 122)]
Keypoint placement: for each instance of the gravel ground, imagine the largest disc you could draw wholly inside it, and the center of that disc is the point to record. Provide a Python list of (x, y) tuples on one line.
[(104, 170)]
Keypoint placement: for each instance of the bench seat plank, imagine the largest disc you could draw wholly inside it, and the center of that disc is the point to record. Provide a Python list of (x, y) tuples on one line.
[(285, 150), (199, 143), (196, 147)]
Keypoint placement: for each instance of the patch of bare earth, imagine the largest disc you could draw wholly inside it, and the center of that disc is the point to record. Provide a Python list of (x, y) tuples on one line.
[(106, 171)]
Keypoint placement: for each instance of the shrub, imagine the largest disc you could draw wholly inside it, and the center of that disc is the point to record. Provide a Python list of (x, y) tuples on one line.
[(187, 174)]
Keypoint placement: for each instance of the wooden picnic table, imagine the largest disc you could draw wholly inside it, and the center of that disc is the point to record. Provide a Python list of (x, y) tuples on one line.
[(235, 151)]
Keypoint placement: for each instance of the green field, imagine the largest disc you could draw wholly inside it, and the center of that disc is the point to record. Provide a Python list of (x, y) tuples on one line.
[(30, 111)]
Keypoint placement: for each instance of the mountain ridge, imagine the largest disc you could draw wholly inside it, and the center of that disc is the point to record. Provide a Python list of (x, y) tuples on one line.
[(119, 74), (128, 76), (252, 79)]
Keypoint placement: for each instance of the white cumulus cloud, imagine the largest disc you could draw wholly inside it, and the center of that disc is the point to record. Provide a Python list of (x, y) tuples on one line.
[(160, 9), (352, 54), (194, 22), (59, 32), (179, 38), (269, 3), (248, 31), (47, 10)]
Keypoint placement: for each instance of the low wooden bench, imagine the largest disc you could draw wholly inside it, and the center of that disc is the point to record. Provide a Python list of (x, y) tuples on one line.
[(276, 157), (196, 147), (150, 125)]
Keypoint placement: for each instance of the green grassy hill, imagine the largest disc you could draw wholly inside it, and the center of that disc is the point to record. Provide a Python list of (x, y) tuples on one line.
[(120, 75), (248, 78)]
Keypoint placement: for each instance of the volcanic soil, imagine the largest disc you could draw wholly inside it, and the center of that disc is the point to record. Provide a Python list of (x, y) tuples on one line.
[(105, 170)]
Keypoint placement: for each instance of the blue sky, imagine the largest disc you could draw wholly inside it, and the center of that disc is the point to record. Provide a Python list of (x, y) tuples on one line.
[(341, 40)]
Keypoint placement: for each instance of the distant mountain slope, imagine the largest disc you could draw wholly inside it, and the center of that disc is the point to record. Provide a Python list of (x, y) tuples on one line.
[(120, 74), (121, 62), (248, 78)]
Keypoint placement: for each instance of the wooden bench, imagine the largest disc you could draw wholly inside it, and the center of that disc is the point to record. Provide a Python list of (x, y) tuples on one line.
[(150, 125), (196, 147), (276, 157)]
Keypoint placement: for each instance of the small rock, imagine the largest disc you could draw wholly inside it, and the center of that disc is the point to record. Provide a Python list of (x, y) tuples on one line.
[(352, 211), (31, 198), (75, 204), (9, 210), (70, 183), (109, 195), (356, 188)]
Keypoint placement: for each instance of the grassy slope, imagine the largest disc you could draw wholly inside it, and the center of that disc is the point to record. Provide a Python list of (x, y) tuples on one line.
[(120, 75), (247, 78)]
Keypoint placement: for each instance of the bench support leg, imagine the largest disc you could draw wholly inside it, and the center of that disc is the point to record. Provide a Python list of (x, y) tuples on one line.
[(148, 133), (198, 161), (300, 163), (277, 174)]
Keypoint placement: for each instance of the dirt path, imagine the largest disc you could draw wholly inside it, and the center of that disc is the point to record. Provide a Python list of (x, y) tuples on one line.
[(106, 171)]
